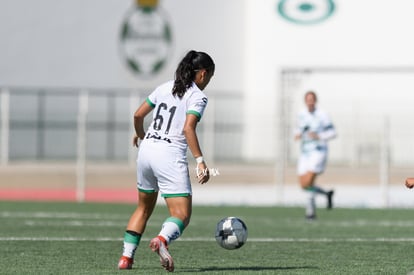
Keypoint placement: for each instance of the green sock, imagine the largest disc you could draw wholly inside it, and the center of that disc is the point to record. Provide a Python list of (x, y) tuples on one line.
[(316, 189), (131, 242)]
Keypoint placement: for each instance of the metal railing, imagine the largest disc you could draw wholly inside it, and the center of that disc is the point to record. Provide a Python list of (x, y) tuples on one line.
[(65, 123)]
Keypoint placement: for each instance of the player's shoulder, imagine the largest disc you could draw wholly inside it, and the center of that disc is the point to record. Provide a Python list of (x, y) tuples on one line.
[(195, 93), (321, 112), (303, 113), (166, 86)]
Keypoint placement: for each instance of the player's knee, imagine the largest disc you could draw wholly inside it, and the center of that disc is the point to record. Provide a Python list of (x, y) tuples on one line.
[(305, 181), (184, 216), (305, 184)]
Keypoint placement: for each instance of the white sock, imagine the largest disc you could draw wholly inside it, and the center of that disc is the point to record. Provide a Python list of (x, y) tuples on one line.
[(131, 242), (310, 204), (129, 250), (171, 229)]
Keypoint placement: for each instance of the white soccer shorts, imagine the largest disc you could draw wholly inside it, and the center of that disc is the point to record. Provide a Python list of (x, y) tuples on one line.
[(314, 161), (164, 168)]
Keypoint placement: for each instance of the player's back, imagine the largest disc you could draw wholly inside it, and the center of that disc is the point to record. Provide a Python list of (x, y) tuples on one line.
[(170, 112)]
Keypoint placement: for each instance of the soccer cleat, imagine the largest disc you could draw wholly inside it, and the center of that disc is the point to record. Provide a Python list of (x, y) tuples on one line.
[(310, 217), (125, 262), (161, 249), (329, 195)]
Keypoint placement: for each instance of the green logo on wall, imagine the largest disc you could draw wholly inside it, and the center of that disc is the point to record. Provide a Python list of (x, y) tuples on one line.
[(306, 11), (146, 40)]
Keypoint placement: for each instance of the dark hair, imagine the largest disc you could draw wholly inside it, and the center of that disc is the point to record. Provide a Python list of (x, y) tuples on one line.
[(187, 69), (311, 93)]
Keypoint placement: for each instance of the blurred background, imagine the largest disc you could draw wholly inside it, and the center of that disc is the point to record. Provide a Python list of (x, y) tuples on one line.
[(73, 72)]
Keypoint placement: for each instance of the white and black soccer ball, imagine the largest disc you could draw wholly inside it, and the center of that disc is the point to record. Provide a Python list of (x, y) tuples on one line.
[(231, 233)]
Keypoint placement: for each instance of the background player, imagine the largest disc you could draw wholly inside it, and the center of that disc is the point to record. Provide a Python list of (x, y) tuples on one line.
[(162, 159), (314, 129)]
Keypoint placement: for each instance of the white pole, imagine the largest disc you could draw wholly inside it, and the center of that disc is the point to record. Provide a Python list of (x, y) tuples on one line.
[(134, 102), (384, 163), (209, 133), (81, 150), (283, 141), (5, 125)]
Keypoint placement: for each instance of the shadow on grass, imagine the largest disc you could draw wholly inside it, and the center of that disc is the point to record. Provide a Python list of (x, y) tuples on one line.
[(249, 268)]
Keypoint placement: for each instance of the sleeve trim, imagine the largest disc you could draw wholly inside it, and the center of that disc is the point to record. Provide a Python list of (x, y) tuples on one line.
[(197, 114), (149, 102)]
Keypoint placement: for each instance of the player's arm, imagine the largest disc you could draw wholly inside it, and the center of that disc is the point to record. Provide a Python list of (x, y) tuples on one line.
[(299, 129), (139, 116), (409, 183), (297, 135), (194, 145), (327, 133)]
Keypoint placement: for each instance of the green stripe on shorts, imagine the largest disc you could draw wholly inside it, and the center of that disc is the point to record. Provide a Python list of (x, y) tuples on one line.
[(175, 195), (146, 191)]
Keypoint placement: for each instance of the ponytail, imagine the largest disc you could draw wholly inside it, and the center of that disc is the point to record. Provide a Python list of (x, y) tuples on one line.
[(187, 69)]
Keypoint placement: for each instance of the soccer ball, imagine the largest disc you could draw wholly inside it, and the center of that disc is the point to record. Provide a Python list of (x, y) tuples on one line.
[(231, 233)]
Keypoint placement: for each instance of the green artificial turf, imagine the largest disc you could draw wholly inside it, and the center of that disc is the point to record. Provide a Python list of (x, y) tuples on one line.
[(86, 238)]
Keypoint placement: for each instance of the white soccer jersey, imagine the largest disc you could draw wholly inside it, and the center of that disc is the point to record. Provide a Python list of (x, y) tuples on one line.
[(319, 123), (162, 161), (170, 112)]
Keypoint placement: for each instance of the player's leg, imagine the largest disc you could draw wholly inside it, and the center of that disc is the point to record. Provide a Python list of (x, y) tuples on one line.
[(317, 166), (147, 198), (136, 227), (180, 213), (175, 187), (310, 165), (306, 181), (172, 228)]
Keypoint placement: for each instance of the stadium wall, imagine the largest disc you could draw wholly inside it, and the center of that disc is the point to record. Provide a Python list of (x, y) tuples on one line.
[(77, 44)]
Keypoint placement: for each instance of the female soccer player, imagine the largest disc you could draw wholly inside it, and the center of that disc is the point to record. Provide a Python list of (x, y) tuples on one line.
[(162, 163), (314, 129)]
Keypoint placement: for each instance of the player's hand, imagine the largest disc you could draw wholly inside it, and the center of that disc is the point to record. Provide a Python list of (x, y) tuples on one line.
[(409, 182), (135, 141), (202, 173), (313, 135)]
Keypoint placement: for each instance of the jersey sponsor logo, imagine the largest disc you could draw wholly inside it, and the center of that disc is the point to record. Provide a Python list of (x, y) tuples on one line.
[(306, 12), (158, 137), (145, 39)]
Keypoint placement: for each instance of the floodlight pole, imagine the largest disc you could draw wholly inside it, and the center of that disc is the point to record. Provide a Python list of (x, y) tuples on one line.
[(133, 104), (384, 162), (5, 125), (81, 147), (283, 140)]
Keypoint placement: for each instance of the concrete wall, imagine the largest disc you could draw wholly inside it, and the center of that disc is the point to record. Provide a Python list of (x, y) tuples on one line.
[(76, 43)]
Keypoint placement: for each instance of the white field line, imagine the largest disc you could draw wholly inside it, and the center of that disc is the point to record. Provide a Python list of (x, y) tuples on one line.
[(111, 223), (73, 219), (109, 217), (109, 220), (115, 223), (60, 215), (258, 240)]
